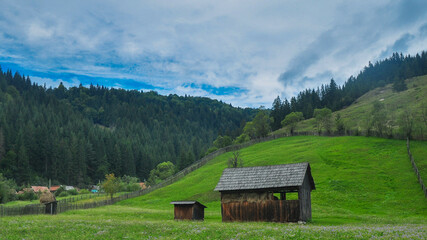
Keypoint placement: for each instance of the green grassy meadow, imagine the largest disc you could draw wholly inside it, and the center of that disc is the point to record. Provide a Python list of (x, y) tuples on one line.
[(365, 188)]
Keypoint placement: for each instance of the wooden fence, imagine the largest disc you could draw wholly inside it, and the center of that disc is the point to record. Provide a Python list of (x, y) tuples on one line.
[(265, 211), (81, 197), (67, 204), (417, 172), (22, 210)]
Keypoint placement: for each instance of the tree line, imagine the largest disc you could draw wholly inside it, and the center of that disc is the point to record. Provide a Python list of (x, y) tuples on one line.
[(77, 135)]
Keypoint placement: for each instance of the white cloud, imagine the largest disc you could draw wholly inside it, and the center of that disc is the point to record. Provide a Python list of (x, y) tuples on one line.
[(237, 44), (37, 32)]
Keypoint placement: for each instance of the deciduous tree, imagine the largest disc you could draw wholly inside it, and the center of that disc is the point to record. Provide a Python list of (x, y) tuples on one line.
[(323, 119), (291, 120), (235, 161), (111, 184)]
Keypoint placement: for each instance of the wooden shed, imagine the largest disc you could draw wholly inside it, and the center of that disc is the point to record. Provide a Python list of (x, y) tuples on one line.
[(248, 194), (189, 210)]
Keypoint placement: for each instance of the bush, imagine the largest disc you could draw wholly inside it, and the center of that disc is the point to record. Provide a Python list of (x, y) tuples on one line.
[(59, 191), (161, 172), (28, 196), (242, 139), (129, 184), (131, 187), (4, 192), (7, 189), (64, 194), (211, 150), (73, 192), (84, 191)]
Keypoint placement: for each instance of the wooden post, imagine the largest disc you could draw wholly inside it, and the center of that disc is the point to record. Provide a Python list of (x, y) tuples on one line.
[(282, 196)]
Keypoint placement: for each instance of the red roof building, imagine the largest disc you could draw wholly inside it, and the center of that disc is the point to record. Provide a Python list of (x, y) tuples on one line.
[(54, 188), (39, 188)]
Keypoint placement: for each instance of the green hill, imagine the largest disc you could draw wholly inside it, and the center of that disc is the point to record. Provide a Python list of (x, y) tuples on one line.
[(365, 188), (358, 179), (358, 115)]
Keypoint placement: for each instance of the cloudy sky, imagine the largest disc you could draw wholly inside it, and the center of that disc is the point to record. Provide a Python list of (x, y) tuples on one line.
[(241, 52)]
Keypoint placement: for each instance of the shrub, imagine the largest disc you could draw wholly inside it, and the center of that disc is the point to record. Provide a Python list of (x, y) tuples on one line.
[(211, 150), (7, 189), (84, 191), (28, 196), (73, 192), (129, 184), (64, 194), (59, 191), (131, 187), (242, 139), (161, 172), (4, 192)]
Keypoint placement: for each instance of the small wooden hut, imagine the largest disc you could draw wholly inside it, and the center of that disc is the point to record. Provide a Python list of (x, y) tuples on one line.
[(189, 210), (48, 199), (248, 194)]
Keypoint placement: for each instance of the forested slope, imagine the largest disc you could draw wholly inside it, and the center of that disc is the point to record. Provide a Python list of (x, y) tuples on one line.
[(77, 135)]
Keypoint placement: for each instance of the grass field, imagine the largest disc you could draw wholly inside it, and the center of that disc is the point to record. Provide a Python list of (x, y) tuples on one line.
[(365, 188)]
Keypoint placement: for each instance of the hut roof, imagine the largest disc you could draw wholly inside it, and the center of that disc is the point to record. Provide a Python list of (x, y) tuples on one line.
[(54, 188), (39, 188), (265, 177), (47, 197), (187, 203)]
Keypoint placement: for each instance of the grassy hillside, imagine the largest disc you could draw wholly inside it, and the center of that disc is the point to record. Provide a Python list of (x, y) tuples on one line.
[(357, 179), (357, 115), (362, 186)]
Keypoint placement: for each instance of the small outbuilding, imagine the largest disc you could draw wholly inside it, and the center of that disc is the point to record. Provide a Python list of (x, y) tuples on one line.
[(189, 210), (259, 193), (48, 199)]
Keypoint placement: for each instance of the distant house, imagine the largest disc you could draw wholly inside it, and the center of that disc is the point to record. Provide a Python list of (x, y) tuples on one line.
[(94, 189), (142, 185), (188, 210), (39, 189), (68, 188), (54, 188), (247, 194)]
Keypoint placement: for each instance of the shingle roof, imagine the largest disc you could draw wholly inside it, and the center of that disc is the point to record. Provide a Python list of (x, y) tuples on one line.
[(187, 203), (276, 176)]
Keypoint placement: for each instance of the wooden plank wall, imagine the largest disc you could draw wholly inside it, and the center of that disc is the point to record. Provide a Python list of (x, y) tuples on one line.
[(198, 212), (267, 211), (183, 212), (304, 195)]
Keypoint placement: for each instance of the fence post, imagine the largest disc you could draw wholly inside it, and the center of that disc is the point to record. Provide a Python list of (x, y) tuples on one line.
[(411, 158)]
